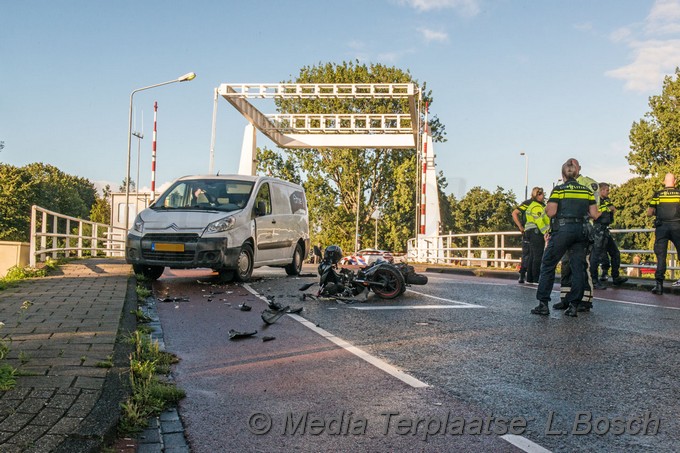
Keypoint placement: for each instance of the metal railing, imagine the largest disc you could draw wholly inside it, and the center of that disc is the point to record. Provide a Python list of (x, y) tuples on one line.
[(61, 236), (459, 249)]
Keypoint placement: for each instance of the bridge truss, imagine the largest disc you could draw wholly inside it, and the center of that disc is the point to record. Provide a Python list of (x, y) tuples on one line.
[(397, 130)]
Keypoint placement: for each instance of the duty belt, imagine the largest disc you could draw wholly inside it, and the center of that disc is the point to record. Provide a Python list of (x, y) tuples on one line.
[(566, 220)]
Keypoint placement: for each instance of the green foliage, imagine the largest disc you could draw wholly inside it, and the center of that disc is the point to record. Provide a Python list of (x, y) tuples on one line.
[(7, 377), (655, 139), (338, 181), (101, 209), (272, 164), (43, 185), (150, 396), (481, 211), (631, 200)]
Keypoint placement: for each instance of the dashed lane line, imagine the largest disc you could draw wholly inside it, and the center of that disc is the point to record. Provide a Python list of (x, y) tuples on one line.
[(524, 444), (448, 301), (518, 441)]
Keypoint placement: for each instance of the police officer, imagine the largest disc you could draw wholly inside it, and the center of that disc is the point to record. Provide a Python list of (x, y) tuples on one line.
[(666, 206), (535, 228), (569, 205), (603, 243), (565, 277), (520, 219)]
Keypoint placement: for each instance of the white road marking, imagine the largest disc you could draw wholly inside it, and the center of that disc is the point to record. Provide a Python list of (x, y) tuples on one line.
[(413, 307), (469, 282), (636, 303), (378, 363), (449, 301), (524, 444)]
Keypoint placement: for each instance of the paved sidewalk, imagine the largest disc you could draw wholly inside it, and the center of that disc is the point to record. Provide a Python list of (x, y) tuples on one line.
[(66, 398)]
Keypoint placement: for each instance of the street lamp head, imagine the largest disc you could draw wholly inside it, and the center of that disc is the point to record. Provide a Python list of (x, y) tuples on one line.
[(187, 77), (521, 154)]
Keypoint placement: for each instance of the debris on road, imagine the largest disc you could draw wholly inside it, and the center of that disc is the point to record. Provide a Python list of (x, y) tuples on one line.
[(271, 315), (235, 334), (267, 338), (244, 307), (174, 299)]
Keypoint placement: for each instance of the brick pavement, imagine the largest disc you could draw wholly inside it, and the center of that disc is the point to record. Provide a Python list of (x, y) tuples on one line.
[(60, 342)]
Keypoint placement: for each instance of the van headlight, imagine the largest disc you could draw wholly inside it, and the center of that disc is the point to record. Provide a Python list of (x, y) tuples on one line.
[(138, 224), (220, 225)]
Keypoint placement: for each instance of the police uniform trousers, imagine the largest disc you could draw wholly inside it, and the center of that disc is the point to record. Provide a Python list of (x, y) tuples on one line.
[(526, 250), (565, 278), (603, 246), (667, 231), (536, 246), (569, 238)]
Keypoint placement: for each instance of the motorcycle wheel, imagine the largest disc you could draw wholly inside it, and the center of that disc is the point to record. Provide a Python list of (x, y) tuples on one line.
[(391, 283)]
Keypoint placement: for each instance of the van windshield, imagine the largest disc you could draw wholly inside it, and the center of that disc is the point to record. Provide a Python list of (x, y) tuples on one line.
[(206, 194)]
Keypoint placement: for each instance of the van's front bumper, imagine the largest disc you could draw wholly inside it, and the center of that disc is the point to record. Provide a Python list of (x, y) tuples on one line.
[(180, 251)]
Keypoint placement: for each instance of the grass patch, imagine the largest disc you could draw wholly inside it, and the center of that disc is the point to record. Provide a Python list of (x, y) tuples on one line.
[(16, 273), (7, 377), (142, 293), (150, 396), (141, 316)]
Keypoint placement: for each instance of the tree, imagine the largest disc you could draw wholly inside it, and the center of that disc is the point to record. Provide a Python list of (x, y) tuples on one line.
[(43, 185), (631, 200), (273, 164), (133, 186), (101, 209), (338, 181), (654, 151), (655, 139), (483, 211)]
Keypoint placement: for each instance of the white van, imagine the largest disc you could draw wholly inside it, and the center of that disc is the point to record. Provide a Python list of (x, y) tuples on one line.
[(230, 224)]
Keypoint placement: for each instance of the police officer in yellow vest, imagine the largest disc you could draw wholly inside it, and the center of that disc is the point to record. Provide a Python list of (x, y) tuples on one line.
[(568, 207), (666, 206), (565, 276), (535, 228)]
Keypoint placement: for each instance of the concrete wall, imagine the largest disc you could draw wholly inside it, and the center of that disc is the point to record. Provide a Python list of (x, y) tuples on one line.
[(13, 254)]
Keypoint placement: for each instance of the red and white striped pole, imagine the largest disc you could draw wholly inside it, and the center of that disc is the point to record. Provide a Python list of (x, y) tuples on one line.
[(153, 153), (424, 176)]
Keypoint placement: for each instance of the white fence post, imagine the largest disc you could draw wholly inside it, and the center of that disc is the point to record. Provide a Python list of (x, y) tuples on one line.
[(31, 248)]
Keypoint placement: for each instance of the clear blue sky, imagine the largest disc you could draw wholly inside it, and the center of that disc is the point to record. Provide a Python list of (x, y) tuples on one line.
[(555, 79)]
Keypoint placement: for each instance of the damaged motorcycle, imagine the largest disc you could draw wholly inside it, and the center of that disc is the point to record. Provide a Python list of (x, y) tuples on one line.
[(385, 279)]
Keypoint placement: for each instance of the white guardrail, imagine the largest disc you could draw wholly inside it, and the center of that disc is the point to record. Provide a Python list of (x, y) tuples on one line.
[(60, 236), (447, 249)]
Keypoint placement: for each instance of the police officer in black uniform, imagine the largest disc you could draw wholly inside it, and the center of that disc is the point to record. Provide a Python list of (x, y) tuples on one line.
[(603, 242), (568, 207), (666, 206)]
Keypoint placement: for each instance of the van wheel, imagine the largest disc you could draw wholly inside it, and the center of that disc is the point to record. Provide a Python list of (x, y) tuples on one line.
[(244, 264), (295, 267), (149, 272)]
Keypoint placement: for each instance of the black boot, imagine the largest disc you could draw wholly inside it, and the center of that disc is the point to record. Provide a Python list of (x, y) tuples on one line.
[(658, 289), (521, 277), (618, 281), (561, 305), (571, 311), (541, 309)]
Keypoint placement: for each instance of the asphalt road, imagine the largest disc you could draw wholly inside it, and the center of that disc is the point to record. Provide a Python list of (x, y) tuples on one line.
[(456, 365)]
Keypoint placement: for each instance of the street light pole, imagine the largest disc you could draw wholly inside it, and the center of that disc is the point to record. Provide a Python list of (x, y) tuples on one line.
[(526, 175), (184, 78)]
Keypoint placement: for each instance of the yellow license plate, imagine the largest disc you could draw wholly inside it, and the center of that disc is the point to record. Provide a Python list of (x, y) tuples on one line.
[(161, 247)]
